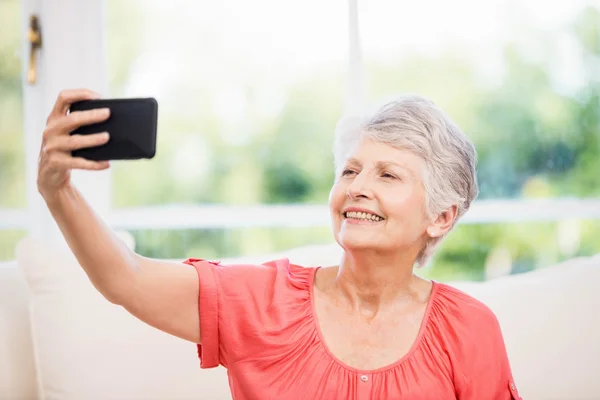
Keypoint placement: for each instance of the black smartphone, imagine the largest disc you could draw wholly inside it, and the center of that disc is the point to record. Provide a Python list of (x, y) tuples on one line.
[(131, 126)]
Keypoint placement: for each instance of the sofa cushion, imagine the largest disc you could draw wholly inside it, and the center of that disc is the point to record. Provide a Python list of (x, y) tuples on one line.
[(17, 365), (88, 348), (550, 319)]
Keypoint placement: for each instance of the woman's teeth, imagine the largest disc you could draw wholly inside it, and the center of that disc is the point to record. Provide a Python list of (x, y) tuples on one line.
[(363, 216)]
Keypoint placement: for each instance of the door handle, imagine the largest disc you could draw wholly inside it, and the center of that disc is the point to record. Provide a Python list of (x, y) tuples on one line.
[(34, 37)]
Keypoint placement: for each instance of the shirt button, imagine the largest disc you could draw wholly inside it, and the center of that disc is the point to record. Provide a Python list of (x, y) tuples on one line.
[(512, 386), (364, 378)]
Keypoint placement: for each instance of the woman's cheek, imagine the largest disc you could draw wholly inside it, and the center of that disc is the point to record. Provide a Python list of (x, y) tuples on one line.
[(336, 192)]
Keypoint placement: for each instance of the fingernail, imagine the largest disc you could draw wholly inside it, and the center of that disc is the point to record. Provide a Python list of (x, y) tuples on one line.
[(104, 110), (105, 135)]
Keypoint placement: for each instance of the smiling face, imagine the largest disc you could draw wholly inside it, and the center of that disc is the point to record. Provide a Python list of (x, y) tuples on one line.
[(378, 200)]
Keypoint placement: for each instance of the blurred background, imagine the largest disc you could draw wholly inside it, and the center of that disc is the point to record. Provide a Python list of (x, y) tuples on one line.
[(249, 94)]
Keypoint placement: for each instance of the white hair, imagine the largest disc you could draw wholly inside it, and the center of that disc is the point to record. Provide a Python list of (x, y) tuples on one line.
[(414, 123)]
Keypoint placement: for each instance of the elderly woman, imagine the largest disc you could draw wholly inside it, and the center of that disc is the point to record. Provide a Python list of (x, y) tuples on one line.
[(369, 328)]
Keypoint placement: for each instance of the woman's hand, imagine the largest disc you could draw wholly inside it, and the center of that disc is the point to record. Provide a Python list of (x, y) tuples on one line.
[(55, 161)]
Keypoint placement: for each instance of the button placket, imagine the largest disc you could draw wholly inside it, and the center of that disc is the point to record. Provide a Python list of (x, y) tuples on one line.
[(365, 385)]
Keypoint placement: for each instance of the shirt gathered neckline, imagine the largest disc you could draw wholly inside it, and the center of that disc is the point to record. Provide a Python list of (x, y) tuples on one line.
[(414, 347)]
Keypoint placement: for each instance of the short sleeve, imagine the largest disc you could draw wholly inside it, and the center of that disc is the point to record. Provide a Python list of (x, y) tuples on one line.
[(208, 309), (482, 369), (239, 304)]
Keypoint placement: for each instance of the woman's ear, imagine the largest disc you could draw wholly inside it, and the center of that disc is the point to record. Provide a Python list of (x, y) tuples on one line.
[(443, 222)]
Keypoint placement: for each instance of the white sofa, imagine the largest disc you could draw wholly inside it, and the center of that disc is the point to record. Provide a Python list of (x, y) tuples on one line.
[(59, 339)]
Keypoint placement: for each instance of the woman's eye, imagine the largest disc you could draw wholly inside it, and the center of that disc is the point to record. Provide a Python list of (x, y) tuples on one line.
[(389, 176), (348, 172)]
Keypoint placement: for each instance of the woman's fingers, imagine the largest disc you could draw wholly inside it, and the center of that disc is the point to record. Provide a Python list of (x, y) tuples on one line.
[(76, 142), (58, 143), (68, 123), (68, 97), (60, 161), (56, 161), (82, 163)]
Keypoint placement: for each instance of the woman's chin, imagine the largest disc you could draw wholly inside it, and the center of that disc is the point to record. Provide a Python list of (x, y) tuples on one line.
[(352, 242)]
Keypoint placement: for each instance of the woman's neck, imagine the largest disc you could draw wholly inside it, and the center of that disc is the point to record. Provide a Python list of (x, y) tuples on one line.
[(371, 283)]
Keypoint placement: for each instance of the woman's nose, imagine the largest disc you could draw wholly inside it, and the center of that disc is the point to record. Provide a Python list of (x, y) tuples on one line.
[(360, 187)]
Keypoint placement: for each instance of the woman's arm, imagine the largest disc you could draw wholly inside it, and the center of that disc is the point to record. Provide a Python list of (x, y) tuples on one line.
[(162, 294)]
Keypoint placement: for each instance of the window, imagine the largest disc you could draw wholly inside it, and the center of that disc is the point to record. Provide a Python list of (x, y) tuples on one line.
[(249, 94), (521, 79), (12, 153), (248, 99)]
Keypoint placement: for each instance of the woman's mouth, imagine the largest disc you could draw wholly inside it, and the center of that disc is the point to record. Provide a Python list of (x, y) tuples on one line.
[(361, 216)]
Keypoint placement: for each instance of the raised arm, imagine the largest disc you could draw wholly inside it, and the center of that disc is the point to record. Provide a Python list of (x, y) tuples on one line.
[(162, 294)]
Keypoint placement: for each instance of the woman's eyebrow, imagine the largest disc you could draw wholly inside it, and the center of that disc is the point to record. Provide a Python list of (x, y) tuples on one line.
[(352, 161), (381, 165), (387, 164)]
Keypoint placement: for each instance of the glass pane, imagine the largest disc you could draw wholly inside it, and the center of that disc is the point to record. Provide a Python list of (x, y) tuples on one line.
[(12, 153), (249, 94), (225, 243), (486, 251), (520, 78)]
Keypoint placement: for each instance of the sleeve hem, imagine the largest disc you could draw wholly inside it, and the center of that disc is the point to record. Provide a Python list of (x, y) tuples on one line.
[(208, 309)]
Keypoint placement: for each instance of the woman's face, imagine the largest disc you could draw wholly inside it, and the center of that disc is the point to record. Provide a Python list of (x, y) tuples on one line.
[(378, 200)]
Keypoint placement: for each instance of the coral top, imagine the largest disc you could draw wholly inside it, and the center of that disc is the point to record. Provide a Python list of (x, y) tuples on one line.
[(258, 321)]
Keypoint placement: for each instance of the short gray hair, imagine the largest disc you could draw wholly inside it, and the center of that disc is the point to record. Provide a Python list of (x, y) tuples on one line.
[(416, 124)]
